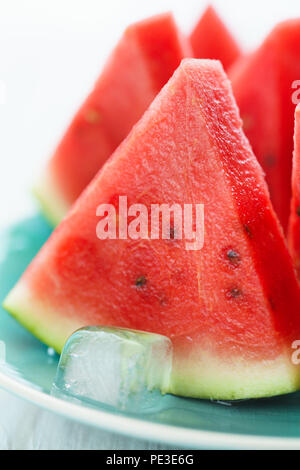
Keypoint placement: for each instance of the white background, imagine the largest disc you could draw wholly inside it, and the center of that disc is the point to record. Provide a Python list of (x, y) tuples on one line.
[(51, 51)]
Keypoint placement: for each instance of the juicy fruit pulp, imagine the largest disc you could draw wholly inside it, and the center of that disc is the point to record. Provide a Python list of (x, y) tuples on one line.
[(232, 308), (262, 85), (294, 222), (211, 39), (140, 65)]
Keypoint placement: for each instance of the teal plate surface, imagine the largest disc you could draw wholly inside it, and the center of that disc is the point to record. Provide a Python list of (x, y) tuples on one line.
[(30, 368)]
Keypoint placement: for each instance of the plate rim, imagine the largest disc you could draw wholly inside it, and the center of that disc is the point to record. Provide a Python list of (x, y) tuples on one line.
[(141, 429)]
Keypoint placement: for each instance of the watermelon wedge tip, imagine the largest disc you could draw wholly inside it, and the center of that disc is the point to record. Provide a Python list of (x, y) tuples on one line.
[(211, 39)]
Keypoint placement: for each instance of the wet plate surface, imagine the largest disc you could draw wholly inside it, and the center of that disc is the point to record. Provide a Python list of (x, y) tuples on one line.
[(30, 369)]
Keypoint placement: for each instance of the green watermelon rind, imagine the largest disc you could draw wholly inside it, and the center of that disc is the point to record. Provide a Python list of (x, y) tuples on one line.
[(51, 203), (58, 340), (229, 381), (202, 377), (28, 315)]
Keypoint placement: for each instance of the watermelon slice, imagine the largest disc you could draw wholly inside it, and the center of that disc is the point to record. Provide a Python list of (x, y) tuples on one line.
[(210, 39), (262, 85), (294, 222), (140, 65), (232, 309)]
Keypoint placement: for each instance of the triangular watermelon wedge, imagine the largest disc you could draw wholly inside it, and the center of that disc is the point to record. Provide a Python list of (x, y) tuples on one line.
[(263, 88), (211, 39), (294, 222), (142, 62), (232, 308)]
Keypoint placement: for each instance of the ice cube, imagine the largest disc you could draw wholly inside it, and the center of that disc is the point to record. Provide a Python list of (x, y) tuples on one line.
[(115, 366)]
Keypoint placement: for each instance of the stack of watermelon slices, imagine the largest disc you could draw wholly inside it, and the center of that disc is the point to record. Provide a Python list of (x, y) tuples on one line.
[(142, 62), (232, 308)]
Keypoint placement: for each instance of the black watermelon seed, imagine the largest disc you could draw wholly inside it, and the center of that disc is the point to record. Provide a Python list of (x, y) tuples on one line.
[(233, 257), (270, 160), (248, 231), (298, 211), (234, 293), (272, 304), (141, 281)]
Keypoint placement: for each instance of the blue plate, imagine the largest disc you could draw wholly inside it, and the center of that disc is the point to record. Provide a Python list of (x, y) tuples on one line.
[(30, 369)]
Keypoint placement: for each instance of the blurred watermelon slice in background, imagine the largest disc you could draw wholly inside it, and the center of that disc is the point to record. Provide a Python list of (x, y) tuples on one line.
[(263, 88), (211, 39), (142, 62)]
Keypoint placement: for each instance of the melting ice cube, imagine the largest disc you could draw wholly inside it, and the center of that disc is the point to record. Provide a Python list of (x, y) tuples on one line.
[(114, 366)]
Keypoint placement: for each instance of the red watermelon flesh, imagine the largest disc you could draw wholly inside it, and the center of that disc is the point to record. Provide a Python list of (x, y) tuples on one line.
[(140, 65), (211, 39), (262, 86), (231, 308), (294, 222)]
